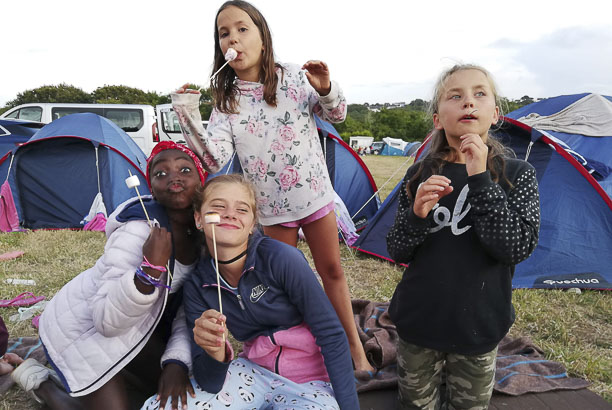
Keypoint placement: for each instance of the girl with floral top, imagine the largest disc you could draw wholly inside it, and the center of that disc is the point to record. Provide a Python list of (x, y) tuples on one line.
[(264, 114)]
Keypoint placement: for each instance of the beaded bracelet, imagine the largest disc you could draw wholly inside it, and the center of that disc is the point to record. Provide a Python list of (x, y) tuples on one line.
[(148, 264), (149, 280)]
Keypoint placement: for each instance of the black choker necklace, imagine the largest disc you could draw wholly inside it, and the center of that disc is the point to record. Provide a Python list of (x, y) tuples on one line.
[(233, 259)]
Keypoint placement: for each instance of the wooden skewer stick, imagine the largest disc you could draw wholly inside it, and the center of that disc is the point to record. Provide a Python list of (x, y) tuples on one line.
[(133, 182), (213, 218)]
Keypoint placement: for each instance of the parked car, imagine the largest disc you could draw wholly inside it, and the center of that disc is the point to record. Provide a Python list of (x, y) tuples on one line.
[(377, 147), (137, 120)]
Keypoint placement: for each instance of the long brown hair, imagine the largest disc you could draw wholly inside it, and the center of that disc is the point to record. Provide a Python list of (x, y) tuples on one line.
[(440, 152), (224, 90)]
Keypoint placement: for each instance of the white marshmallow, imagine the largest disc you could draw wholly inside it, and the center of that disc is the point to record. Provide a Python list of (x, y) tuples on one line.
[(230, 54), (212, 218), (132, 182)]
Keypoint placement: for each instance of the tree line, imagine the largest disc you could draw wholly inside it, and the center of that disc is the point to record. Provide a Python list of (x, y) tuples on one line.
[(411, 122), (108, 94)]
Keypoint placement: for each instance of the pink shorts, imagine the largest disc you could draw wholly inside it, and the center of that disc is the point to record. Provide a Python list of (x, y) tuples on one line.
[(310, 218)]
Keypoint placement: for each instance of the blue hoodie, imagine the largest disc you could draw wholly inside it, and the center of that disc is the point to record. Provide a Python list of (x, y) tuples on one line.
[(277, 291)]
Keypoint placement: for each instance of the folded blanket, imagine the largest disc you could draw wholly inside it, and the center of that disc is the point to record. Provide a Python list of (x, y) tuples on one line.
[(522, 368), (25, 347), (379, 338)]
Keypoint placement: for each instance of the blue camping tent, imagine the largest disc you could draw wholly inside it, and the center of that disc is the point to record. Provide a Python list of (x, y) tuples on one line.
[(349, 176), (411, 148), (15, 132), (582, 123), (58, 173), (575, 241)]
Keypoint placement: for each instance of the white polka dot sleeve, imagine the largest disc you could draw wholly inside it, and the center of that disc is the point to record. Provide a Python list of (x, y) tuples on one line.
[(408, 230), (507, 226)]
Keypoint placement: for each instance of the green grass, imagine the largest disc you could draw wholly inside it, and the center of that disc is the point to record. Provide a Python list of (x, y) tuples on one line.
[(573, 329)]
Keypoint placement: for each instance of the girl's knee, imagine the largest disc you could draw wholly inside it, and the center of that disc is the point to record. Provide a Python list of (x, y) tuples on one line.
[(331, 273)]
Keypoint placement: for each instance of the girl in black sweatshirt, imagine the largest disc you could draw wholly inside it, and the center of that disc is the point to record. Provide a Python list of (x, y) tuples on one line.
[(467, 214)]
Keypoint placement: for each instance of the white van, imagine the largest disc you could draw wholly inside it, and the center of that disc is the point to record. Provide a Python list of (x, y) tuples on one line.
[(137, 120), (168, 124)]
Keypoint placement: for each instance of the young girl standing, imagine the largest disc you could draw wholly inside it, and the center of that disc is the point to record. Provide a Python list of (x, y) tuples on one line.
[(264, 113), (467, 215)]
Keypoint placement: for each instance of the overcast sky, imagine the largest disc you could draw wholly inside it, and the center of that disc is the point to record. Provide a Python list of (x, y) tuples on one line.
[(379, 51)]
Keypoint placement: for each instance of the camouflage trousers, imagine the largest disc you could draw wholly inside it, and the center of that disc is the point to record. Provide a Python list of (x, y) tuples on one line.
[(469, 379)]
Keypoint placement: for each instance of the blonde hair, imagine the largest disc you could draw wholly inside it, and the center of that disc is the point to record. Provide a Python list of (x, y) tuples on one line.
[(440, 152), (203, 192)]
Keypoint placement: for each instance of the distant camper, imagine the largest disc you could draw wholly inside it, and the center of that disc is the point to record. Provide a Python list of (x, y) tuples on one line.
[(137, 120), (360, 142)]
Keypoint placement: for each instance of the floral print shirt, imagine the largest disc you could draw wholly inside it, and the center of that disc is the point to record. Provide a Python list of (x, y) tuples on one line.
[(278, 147)]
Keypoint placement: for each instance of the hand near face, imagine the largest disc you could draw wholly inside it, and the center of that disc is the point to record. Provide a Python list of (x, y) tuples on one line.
[(208, 333), (429, 193), (476, 152), (318, 76)]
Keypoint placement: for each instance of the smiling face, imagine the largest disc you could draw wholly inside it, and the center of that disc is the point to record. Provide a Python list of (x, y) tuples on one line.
[(236, 29), (174, 179), (235, 205), (466, 105)]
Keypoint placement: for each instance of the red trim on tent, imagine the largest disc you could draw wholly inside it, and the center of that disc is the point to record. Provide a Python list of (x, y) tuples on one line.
[(569, 159), (378, 256), (580, 169), (354, 154), (422, 147)]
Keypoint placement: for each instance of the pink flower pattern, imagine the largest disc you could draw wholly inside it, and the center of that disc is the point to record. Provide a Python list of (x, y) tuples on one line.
[(287, 134), (288, 178), (278, 146)]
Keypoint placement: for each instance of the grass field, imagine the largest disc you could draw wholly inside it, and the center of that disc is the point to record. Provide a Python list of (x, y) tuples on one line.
[(575, 329)]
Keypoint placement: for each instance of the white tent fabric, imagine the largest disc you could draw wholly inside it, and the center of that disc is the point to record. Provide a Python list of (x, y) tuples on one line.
[(590, 116)]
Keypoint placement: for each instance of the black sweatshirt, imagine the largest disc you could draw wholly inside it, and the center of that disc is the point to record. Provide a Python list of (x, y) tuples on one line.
[(456, 294)]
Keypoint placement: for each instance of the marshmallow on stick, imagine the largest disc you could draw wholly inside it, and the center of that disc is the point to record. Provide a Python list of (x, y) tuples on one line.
[(230, 55), (133, 182), (213, 219)]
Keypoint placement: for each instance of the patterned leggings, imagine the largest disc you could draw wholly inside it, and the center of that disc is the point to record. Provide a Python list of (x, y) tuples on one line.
[(469, 379), (249, 386)]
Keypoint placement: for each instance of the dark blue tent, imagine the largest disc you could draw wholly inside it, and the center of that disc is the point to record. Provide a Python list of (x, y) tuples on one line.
[(15, 132), (56, 175), (349, 176), (575, 241)]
